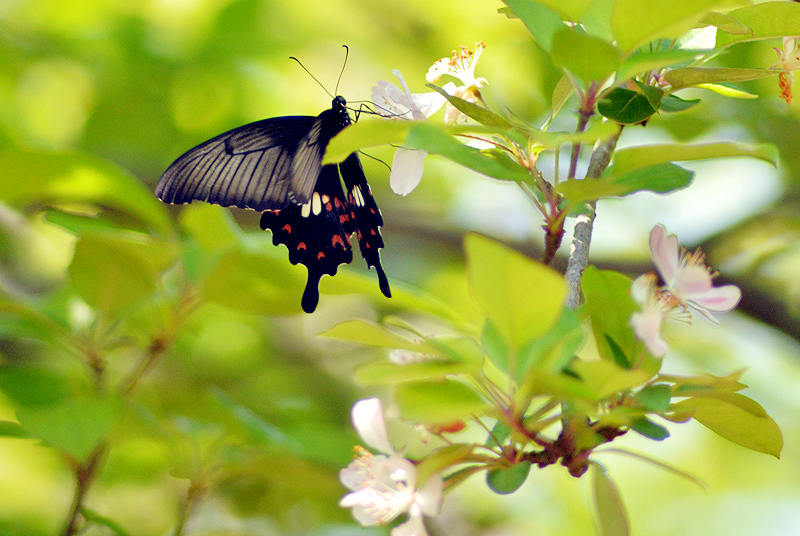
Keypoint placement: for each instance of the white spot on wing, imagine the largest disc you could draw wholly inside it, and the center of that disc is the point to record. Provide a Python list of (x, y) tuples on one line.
[(357, 196), (305, 210), (316, 204)]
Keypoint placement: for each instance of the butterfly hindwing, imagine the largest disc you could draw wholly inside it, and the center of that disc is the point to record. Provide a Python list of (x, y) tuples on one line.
[(317, 233), (366, 215), (247, 167)]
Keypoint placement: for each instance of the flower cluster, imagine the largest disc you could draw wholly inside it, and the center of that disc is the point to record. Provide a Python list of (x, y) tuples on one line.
[(393, 102), (788, 61), (384, 486), (687, 285)]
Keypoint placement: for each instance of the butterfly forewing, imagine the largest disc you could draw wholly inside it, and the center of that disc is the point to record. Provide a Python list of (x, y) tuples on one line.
[(247, 167)]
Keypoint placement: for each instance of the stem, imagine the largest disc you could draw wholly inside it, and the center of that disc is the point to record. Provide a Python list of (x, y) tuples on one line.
[(582, 233), (84, 474), (193, 496), (583, 119)]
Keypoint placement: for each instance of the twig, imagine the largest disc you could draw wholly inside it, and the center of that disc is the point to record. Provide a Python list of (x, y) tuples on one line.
[(83, 476), (582, 233)]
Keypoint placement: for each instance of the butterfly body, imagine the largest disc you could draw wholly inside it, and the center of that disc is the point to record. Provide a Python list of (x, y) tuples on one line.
[(275, 166)]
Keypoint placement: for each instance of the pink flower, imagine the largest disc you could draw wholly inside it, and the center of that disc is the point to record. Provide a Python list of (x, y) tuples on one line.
[(384, 486), (687, 279), (648, 324)]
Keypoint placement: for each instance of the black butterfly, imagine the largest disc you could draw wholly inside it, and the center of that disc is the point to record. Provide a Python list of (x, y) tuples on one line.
[(275, 166)]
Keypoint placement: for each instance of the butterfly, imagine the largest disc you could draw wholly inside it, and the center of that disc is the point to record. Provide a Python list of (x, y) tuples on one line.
[(275, 166)]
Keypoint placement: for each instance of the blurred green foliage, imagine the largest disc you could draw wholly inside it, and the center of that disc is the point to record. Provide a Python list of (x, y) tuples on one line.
[(231, 412)]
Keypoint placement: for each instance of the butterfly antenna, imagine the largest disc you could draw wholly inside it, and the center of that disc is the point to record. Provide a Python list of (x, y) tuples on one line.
[(346, 54), (314, 77)]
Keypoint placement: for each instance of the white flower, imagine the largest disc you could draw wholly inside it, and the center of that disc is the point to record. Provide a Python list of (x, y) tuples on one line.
[(462, 66), (395, 103), (788, 61), (687, 279), (385, 485)]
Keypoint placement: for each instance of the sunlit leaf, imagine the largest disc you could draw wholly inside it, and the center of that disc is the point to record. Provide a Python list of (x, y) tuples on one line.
[(637, 21), (541, 21), (725, 91), (478, 113), (523, 298), (763, 21), (695, 76), (736, 418), (114, 275), (604, 378), (75, 425), (438, 401), (366, 133), (644, 61), (640, 156), (59, 178), (673, 103), (589, 58), (611, 515), (655, 397), (370, 334)]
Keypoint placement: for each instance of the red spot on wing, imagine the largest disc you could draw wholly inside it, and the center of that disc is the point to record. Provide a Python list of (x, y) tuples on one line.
[(344, 218), (372, 232), (287, 228), (328, 207), (320, 255), (301, 245), (337, 239)]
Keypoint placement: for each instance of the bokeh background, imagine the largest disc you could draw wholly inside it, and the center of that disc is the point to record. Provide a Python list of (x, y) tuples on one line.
[(134, 84)]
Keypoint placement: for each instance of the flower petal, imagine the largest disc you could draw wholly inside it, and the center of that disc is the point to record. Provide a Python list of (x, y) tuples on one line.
[(664, 250), (413, 527), (407, 168), (367, 416), (718, 299), (429, 497)]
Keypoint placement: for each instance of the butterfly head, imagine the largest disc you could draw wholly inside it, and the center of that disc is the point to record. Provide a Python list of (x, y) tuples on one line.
[(339, 106)]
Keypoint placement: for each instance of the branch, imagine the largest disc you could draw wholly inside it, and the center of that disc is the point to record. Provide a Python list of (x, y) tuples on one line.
[(582, 233)]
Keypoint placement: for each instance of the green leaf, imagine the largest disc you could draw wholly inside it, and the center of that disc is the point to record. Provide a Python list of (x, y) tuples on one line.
[(655, 397), (625, 106), (612, 519), (96, 519), (74, 425), (659, 178), (364, 332), (609, 306), (32, 385), (436, 140), (604, 378), (589, 58), (636, 22), (113, 274), (727, 91), (478, 113), (385, 372), (561, 93), (522, 298), (366, 133), (12, 429), (74, 177), (640, 156), (673, 103), (438, 401), (541, 21), (736, 418), (649, 429), (507, 480), (212, 226), (643, 61), (696, 76), (254, 283), (763, 21)]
